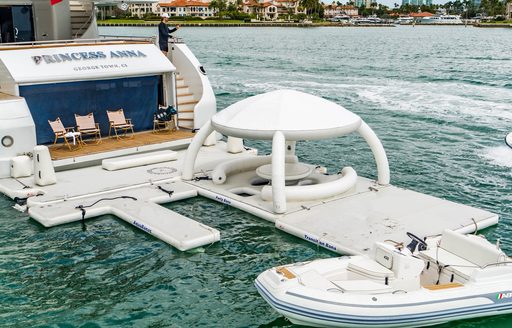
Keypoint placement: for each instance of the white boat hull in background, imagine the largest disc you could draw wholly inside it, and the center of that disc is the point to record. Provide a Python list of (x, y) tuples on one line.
[(508, 139)]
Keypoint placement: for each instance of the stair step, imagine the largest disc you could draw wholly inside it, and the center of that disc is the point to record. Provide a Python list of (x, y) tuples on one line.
[(192, 102), (186, 119), (186, 111), (184, 92)]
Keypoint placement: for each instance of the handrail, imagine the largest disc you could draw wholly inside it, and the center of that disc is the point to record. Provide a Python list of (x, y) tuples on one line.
[(496, 264), (11, 46), (87, 22)]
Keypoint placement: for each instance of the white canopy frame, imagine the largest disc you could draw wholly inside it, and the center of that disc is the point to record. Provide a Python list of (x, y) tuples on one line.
[(284, 138)]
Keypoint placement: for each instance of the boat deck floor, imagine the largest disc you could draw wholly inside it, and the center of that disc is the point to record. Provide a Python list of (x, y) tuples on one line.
[(351, 222), (108, 144), (346, 223)]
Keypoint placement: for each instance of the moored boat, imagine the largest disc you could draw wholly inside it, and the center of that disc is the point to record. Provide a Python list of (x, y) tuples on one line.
[(403, 20), (452, 277), (508, 139), (442, 20)]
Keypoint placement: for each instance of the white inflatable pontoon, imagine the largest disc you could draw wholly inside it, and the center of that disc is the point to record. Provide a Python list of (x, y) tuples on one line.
[(453, 277), (338, 210)]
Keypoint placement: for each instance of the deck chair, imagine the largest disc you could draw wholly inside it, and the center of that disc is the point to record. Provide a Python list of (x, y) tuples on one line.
[(87, 126), (164, 119), (118, 122), (65, 133)]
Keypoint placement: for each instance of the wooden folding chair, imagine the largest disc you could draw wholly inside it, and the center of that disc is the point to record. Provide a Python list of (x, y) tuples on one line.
[(65, 133), (117, 122), (87, 126)]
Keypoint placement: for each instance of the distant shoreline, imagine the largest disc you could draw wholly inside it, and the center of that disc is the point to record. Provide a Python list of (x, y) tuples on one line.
[(274, 24), (263, 24)]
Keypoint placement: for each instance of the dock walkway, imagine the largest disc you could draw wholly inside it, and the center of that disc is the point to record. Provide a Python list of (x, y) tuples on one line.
[(140, 208)]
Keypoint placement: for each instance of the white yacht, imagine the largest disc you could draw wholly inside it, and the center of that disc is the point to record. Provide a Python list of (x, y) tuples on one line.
[(404, 20), (442, 20), (56, 75)]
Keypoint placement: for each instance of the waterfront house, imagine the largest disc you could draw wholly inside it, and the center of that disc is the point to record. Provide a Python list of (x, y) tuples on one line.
[(139, 8), (272, 9), (333, 10), (186, 8)]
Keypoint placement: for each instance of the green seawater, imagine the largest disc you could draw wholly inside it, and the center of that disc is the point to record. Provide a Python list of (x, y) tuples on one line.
[(440, 99)]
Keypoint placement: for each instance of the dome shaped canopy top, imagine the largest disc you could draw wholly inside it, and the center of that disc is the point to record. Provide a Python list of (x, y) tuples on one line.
[(298, 115)]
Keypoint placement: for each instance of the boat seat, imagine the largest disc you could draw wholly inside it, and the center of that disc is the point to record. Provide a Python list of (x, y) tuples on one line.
[(361, 286), (452, 263), (462, 254), (370, 269), (313, 279)]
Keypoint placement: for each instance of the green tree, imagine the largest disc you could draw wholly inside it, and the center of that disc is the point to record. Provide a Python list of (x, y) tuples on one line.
[(312, 7), (218, 5)]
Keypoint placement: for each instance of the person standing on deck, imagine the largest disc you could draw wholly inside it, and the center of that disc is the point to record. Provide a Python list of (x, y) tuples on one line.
[(164, 32)]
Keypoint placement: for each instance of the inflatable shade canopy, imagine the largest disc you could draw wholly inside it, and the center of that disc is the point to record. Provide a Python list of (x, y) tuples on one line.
[(299, 116)]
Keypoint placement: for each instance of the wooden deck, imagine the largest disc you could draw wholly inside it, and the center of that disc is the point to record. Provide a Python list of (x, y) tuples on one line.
[(60, 151)]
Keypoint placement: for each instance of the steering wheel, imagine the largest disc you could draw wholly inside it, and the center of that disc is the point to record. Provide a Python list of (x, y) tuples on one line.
[(416, 241)]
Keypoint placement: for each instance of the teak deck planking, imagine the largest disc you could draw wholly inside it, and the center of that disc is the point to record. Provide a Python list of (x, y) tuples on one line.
[(60, 151)]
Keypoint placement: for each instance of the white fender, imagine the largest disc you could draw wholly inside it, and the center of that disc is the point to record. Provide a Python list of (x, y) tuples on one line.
[(235, 145), (21, 166), (44, 173), (347, 181)]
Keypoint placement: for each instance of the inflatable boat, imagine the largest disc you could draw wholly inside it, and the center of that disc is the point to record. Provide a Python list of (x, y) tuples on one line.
[(508, 139), (452, 277)]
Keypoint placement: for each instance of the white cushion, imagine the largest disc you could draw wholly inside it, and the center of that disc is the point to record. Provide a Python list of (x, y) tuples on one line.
[(369, 268), (474, 249), (113, 164)]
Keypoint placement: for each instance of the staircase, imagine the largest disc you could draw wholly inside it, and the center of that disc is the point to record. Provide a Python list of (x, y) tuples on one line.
[(81, 17), (186, 104)]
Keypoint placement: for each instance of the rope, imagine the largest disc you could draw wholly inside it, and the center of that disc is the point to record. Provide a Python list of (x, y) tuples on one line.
[(169, 192), (476, 226), (202, 178), (24, 185), (83, 207)]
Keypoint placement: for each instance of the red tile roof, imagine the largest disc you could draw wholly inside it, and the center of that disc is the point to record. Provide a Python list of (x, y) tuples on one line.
[(184, 3), (422, 14)]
